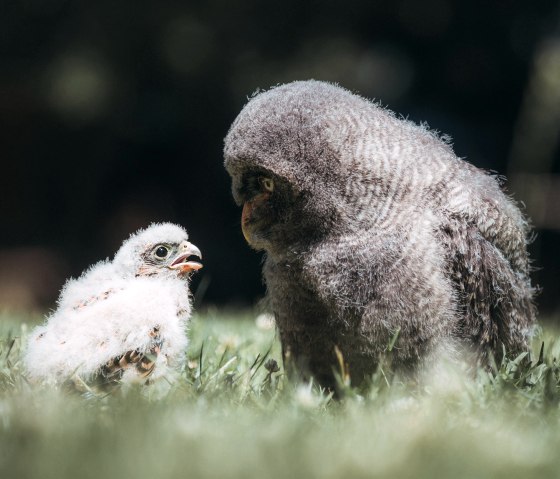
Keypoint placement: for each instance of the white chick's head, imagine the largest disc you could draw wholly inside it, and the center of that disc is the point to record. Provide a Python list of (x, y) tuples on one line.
[(160, 250)]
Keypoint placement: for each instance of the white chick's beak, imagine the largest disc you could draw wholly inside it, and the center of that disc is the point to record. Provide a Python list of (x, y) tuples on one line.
[(182, 262)]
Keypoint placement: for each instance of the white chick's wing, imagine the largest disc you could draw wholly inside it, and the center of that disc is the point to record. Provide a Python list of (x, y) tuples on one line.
[(142, 323), (93, 285)]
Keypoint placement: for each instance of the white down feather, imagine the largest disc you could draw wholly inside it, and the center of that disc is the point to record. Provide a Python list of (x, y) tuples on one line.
[(102, 315)]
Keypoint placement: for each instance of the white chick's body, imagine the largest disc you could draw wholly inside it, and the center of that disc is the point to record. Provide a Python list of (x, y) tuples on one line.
[(123, 320)]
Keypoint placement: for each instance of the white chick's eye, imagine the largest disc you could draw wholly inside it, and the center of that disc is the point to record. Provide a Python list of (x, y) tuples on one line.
[(267, 184), (161, 252)]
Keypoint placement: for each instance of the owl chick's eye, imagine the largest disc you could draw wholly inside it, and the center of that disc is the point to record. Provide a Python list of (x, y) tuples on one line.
[(267, 184), (161, 252)]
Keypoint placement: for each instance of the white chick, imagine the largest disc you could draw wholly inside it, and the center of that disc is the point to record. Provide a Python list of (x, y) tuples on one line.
[(122, 320)]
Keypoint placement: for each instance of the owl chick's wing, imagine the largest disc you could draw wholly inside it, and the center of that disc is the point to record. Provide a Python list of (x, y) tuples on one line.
[(496, 301)]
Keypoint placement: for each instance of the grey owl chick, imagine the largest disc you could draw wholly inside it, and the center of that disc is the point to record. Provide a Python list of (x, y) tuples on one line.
[(374, 230)]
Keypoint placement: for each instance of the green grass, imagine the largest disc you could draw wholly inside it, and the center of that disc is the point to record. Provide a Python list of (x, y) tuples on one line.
[(230, 417)]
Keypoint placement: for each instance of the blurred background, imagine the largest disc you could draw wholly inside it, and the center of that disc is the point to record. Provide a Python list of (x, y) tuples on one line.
[(113, 115)]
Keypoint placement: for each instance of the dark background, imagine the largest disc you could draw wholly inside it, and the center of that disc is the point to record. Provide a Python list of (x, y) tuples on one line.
[(113, 115)]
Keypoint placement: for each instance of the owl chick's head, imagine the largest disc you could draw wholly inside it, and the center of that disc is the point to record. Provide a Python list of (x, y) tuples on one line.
[(287, 168), (161, 250)]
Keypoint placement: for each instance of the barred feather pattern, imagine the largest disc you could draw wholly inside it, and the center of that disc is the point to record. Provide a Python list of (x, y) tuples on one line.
[(387, 231)]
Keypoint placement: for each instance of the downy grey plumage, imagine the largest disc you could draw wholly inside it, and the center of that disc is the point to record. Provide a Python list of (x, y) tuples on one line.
[(374, 230)]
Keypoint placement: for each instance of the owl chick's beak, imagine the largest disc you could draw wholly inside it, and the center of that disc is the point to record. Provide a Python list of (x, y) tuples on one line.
[(182, 263), (248, 216)]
